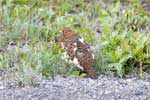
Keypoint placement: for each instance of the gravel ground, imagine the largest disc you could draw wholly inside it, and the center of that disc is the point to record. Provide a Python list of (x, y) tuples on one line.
[(103, 88)]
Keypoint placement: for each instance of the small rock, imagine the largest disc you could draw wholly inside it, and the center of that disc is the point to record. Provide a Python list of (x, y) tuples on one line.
[(129, 80), (138, 93), (2, 87), (107, 91)]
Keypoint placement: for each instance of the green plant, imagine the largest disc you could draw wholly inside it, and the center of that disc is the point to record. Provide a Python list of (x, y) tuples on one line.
[(29, 28), (126, 43), (77, 74)]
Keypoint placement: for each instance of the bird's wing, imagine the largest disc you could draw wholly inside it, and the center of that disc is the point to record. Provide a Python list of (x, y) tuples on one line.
[(85, 58), (70, 45), (84, 54)]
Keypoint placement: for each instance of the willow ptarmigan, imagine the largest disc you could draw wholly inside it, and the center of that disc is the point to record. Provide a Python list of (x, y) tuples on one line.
[(78, 51)]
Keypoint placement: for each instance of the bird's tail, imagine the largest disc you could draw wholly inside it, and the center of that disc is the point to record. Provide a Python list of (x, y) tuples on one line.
[(91, 73)]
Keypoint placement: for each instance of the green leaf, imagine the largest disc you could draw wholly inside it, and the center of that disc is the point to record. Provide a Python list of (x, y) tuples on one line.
[(125, 58), (75, 73), (83, 75), (118, 67)]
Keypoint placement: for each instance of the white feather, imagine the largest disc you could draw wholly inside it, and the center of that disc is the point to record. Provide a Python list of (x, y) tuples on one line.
[(74, 49), (75, 44), (93, 56), (76, 62), (62, 45), (81, 40)]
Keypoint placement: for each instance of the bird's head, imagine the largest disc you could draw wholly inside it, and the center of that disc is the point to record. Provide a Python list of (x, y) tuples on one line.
[(67, 32)]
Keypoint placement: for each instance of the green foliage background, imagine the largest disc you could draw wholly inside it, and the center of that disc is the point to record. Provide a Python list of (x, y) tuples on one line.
[(29, 28)]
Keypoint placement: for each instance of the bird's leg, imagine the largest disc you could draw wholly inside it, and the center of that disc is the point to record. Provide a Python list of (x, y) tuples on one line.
[(91, 73)]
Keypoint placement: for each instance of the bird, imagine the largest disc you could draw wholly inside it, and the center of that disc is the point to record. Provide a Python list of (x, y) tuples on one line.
[(78, 51)]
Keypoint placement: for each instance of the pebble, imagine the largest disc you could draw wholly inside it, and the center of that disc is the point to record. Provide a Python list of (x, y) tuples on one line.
[(70, 88), (2, 87), (129, 80)]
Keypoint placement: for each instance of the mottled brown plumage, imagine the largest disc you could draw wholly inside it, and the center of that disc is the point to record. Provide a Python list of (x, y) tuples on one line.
[(78, 51)]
